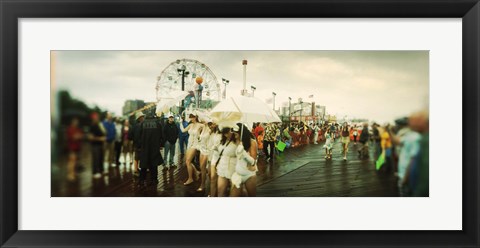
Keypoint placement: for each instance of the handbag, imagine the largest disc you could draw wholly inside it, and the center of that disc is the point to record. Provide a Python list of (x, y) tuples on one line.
[(221, 153), (281, 146)]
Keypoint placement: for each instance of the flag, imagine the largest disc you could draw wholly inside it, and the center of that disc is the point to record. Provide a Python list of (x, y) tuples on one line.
[(224, 93), (380, 161), (269, 100), (310, 96)]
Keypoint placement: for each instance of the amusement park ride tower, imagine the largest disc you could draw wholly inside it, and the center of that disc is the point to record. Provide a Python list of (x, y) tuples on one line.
[(191, 76)]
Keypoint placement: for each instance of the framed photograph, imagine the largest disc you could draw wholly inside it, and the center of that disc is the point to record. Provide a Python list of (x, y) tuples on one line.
[(209, 123)]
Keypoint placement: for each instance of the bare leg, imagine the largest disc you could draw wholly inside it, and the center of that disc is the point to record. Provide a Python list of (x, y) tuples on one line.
[(125, 155), (251, 186), (190, 155), (213, 180), (72, 159), (236, 192), (222, 186), (203, 168), (136, 165)]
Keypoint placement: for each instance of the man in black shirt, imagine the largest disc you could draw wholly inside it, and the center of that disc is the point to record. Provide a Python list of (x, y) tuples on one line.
[(136, 135), (97, 137), (170, 132), (376, 141)]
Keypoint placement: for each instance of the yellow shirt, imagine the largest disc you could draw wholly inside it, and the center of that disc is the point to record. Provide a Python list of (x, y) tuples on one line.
[(386, 141)]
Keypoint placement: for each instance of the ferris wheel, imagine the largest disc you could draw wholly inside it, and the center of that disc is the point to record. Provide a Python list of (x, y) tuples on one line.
[(193, 71)]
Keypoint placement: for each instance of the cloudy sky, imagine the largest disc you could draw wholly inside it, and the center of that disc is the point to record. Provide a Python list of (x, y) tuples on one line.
[(377, 85)]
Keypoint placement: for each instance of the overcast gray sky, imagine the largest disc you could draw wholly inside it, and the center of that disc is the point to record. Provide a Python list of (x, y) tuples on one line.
[(378, 85)]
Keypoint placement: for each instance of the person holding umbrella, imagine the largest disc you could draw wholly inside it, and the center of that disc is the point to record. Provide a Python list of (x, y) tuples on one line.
[(246, 166)]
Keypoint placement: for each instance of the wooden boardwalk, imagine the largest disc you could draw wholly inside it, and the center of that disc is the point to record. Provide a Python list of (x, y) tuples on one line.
[(298, 172)]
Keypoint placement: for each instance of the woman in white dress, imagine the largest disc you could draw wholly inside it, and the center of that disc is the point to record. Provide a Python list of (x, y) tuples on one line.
[(194, 129), (226, 163), (246, 166), (205, 151), (214, 143)]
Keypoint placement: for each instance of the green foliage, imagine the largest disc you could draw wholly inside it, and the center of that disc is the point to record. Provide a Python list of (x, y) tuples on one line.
[(70, 107)]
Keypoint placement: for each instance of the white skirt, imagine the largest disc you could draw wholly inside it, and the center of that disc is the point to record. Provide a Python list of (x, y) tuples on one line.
[(226, 166)]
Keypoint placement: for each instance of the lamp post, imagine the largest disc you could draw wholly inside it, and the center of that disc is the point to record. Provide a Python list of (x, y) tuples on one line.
[(225, 82), (182, 71), (253, 89), (244, 91), (289, 109), (274, 94), (301, 109)]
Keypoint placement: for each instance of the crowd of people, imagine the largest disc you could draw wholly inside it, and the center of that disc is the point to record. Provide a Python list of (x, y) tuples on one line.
[(226, 155)]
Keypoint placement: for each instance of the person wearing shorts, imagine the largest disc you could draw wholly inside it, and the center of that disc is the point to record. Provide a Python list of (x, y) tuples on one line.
[(345, 139)]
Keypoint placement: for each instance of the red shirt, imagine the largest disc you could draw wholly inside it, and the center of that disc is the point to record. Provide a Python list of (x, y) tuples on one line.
[(72, 141), (257, 130)]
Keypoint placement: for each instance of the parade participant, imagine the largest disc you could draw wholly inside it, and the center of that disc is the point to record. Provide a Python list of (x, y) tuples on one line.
[(260, 140), (386, 145), (246, 166), (301, 129), (225, 165), (118, 141), (364, 137), (308, 134), (269, 141), (74, 138), (136, 134), (258, 128), (170, 132), (345, 140), (419, 122), (110, 143), (205, 151), (376, 141), (194, 129), (151, 141), (328, 145), (214, 143), (127, 143), (332, 130), (316, 129), (296, 135), (417, 173), (97, 137), (183, 137), (355, 134), (408, 142), (287, 138)]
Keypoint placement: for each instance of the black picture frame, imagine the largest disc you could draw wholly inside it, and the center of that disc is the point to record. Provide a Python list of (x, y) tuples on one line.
[(11, 11)]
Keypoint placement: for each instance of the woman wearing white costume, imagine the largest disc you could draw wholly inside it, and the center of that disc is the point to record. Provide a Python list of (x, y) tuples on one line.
[(194, 129), (225, 165), (214, 143), (246, 165), (205, 151)]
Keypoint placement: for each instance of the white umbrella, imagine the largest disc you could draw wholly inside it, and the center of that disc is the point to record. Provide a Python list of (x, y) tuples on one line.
[(243, 109), (203, 115), (169, 100)]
